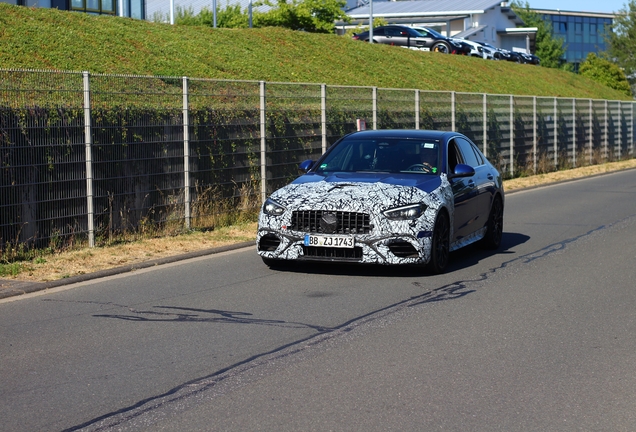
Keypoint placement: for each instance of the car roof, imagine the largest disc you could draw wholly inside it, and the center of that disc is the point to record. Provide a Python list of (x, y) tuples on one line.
[(403, 133)]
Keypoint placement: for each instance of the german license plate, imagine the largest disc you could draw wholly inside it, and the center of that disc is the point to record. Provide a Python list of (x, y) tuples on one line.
[(329, 241)]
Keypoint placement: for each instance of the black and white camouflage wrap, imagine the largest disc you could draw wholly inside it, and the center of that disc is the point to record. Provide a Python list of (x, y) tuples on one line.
[(364, 197)]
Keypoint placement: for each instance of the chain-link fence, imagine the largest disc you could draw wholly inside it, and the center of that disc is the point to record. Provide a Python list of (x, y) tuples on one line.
[(86, 157)]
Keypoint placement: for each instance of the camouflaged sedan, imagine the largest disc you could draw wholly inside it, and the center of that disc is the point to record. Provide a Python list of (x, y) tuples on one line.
[(386, 197)]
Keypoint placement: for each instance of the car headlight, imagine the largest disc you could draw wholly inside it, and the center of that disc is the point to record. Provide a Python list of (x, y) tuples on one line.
[(411, 211), (272, 208)]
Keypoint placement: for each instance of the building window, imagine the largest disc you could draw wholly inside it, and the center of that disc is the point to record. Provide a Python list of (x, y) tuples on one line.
[(578, 28), (38, 3), (94, 6), (132, 8)]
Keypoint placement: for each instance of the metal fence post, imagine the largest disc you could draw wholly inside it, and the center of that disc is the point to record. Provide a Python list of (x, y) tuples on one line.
[(631, 128), (574, 133), (417, 109), (606, 137), (620, 138), (453, 111), (88, 138), (534, 133), (263, 144), (186, 155), (591, 132), (512, 136), (556, 133), (485, 108), (374, 96), (323, 115)]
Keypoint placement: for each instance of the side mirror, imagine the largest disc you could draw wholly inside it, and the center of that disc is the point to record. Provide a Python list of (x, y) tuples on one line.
[(463, 170), (305, 166)]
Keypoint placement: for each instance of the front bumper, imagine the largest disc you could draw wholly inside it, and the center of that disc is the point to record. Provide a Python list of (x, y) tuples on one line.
[(368, 249)]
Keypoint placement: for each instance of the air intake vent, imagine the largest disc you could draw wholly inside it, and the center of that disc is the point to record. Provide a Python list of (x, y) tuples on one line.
[(353, 254), (403, 249), (269, 242)]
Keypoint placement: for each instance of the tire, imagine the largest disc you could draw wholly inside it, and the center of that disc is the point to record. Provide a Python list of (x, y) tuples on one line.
[(440, 245), (440, 47), (494, 226)]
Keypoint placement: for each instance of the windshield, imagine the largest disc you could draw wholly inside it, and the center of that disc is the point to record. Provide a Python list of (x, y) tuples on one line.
[(430, 31), (389, 155)]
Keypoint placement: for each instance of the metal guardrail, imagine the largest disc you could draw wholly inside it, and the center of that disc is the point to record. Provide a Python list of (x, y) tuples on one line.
[(85, 157)]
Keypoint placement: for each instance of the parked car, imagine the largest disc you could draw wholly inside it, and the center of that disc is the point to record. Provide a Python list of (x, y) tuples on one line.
[(410, 37), (511, 56), (478, 50), (530, 58), (386, 197), (500, 53), (460, 45)]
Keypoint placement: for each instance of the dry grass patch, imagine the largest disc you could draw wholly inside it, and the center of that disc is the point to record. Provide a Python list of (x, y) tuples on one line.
[(77, 262), (575, 173)]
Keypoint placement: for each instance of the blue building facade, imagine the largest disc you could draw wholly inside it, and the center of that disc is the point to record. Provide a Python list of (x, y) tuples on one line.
[(582, 32)]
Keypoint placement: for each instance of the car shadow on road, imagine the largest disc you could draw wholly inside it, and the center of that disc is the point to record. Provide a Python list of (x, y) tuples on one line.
[(462, 258)]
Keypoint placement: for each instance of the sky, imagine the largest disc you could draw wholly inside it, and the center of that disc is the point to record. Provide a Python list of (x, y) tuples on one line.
[(607, 6)]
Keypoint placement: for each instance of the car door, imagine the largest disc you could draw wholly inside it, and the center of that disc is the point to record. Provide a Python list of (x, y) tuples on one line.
[(475, 192), (465, 194), (424, 39), (397, 36), (379, 35)]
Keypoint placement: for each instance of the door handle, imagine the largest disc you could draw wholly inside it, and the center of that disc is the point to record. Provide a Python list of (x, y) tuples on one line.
[(490, 177), (471, 183)]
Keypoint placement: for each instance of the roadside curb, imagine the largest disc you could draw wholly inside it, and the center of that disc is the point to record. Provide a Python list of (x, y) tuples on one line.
[(10, 288)]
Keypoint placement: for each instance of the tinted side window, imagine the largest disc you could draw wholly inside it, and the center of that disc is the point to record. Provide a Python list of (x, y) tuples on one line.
[(394, 31), (480, 156), (454, 156), (378, 32), (468, 154)]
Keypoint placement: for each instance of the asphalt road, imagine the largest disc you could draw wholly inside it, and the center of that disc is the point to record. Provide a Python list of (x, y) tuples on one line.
[(538, 336)]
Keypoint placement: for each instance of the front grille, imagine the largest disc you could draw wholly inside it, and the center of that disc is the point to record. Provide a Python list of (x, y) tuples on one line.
[(347, 222), (354, 254)]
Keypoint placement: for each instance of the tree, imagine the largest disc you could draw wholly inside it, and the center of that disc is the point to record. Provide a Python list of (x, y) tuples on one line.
[(605, 72), (621, 41), (230, 17), (548, 48), (377, 22), (316, 16)]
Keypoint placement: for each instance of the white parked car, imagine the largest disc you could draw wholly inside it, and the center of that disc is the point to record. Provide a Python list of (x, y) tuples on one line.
[(477, 50)]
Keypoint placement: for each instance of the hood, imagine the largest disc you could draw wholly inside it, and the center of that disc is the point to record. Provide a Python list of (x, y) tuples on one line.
[(347, 192)]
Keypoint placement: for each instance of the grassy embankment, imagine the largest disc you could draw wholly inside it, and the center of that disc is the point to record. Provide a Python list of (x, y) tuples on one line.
[(48, 39)]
